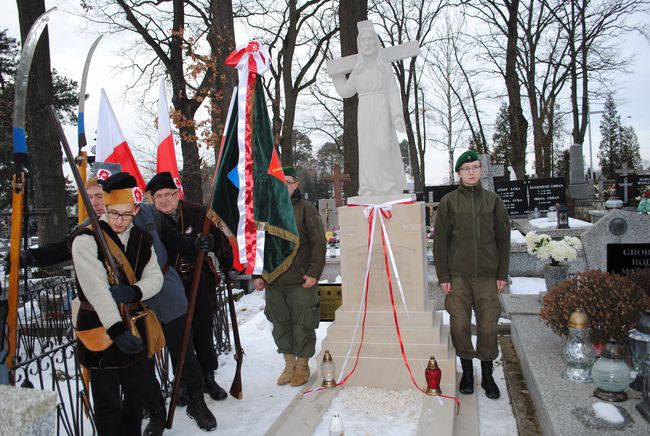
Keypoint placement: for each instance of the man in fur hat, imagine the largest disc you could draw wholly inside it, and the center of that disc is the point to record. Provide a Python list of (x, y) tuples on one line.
[(123, 364), (188, 218)]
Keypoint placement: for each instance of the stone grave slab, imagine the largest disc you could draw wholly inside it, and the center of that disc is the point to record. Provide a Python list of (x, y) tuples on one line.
[(27, 412), (616, 227), (560, 404)]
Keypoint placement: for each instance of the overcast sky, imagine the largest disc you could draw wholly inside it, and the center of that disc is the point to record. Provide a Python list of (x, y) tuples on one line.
[(70, 41)]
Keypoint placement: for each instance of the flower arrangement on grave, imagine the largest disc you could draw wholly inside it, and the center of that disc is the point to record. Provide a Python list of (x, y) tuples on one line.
[(644, 201), (331, 238), (612, 302), (641, 277), (552, 251)]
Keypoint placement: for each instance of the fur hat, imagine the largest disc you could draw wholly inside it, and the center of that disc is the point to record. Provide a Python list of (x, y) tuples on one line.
[(121, 188), (161, 181)]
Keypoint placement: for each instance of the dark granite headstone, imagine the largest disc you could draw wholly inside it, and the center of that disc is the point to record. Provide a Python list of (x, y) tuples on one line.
[(544, 193), (635, 184), (623, 258), (514, 195), (434, 194)]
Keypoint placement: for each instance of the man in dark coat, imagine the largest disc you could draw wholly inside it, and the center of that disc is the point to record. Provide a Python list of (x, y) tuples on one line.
[(189, 218)]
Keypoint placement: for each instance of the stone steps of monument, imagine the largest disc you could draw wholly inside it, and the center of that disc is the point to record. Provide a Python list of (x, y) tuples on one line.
[(427, 318), (388, 333)]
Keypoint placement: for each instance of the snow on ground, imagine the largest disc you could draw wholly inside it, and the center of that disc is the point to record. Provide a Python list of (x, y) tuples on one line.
[(516, 237), (544, 223), (263, 400)]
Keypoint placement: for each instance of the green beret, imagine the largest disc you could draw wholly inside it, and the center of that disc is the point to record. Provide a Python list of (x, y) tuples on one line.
[(290, 171), (468, 156)]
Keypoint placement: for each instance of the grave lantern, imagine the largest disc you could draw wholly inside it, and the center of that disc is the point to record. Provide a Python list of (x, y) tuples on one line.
[(640, 348), (562, 217), (433, 374), (611, 374), (578, 353), (643, 407), (327, 369)]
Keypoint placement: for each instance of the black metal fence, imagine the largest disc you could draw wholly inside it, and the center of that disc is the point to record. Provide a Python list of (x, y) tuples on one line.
[(45, 357)]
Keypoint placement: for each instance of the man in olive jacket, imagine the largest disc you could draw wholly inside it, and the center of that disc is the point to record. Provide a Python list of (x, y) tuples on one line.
[(292, 303), (472, 253)]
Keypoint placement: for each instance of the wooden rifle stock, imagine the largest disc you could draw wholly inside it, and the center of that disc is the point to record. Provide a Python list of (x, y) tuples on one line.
[(196, 279), (235, 388), (114, 274)]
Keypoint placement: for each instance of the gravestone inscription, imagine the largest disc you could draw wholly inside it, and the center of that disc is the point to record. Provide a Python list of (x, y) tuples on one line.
[(624, 258), (544, 193), (514, 195)]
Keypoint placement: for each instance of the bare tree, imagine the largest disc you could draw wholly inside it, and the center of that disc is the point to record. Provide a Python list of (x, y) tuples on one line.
[(401, 22), (45, 150), (169, 32), (350, 12), (501, 17)]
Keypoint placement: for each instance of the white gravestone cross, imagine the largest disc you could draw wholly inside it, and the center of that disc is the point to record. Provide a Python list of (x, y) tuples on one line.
[(381, 170)]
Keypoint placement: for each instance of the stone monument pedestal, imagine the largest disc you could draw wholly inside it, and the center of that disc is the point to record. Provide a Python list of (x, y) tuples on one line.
[(381, 364)]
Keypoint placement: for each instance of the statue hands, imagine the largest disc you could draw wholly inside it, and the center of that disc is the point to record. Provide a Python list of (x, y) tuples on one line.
[(398, 123)]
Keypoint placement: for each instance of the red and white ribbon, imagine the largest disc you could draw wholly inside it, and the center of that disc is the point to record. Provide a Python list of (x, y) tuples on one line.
[(251, 60)]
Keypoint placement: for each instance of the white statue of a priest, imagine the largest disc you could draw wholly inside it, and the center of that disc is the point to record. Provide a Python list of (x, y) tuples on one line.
[(381, 170)]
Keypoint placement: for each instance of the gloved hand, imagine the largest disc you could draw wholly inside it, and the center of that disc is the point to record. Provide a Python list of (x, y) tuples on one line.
[(124, 293), (129, 344), (204, 242)]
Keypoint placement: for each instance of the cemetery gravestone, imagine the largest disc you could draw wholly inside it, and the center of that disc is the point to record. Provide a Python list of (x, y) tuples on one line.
[(615, 228), (329, 213), (544, 193), (514, 195), (625, 258), (489, 172)]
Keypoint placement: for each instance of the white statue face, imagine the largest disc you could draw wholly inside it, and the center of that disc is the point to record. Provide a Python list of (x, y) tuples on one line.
[(368, 44)]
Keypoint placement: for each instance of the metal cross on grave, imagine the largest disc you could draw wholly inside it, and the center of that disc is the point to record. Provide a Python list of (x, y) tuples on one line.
[(337, 180), (625, 171), (489, 172)]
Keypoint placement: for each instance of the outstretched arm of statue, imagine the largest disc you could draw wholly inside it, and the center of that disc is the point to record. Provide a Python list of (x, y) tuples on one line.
[(343, 86)]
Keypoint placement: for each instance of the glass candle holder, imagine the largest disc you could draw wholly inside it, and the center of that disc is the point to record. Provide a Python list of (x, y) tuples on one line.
[(611, 374), (578, 353)]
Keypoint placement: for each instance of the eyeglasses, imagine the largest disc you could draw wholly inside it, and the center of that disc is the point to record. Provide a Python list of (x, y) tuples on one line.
[(292, 182), (474, 169), (163, 197), (116, 216)]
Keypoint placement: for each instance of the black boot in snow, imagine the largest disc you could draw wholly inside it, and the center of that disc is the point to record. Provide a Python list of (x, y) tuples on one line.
[(467, 380), (198, 410), (157, 416), (212, 388), (487, 381)]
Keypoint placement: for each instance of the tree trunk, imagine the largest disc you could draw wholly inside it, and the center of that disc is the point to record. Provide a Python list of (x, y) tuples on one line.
[(45, 153), (351, 11), (518, 123), (222, 42)]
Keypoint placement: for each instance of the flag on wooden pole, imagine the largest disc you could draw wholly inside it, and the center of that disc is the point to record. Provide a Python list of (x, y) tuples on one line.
[(166, 157), (111, 143), (249, 196)]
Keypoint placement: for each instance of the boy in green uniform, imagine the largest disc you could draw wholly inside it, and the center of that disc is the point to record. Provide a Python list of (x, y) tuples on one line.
[(472, 254)]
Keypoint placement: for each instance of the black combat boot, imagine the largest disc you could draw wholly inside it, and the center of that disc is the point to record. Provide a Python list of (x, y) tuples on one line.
[(157, 416), (467, 380), (198, 410), (212, 388), (487, 381)]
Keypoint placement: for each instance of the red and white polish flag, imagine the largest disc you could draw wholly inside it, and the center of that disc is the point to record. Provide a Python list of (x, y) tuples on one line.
[(111, 143), (166, 158)]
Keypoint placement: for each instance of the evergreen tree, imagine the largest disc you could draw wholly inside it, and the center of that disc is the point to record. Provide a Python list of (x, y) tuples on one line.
[(630, 148), (610, 144), (501, 140)]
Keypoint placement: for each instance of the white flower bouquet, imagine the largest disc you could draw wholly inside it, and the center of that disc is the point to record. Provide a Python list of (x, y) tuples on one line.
[(553, 251)]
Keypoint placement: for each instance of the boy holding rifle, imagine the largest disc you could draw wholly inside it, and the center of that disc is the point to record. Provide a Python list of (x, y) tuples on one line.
[(120, 359)]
